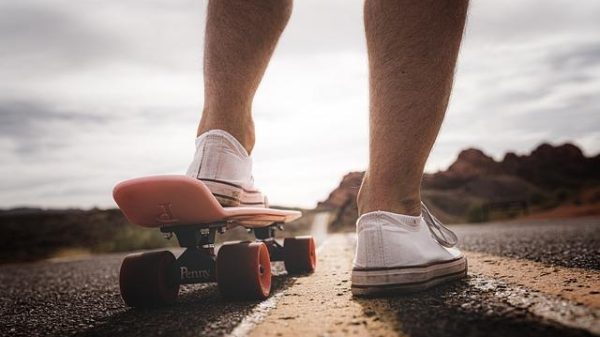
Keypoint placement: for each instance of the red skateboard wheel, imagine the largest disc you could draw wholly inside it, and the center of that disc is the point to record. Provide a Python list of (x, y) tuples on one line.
[(244, 270), (299, 255), (143, 279)]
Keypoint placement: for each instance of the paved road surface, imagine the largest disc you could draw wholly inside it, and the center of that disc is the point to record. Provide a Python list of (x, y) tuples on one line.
[(525, 279)]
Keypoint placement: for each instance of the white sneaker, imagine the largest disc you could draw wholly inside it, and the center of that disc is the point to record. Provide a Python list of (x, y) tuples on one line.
[(403, 253), (225, 167)]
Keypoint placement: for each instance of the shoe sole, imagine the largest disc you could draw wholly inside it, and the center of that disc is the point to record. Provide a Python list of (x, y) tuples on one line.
[(411, 279), (232, 195)]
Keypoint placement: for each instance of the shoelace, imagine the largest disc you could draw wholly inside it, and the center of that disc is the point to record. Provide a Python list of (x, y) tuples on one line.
[(441, 233)]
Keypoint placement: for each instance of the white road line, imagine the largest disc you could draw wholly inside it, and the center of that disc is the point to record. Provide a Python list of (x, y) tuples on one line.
[(319, 231), (543, 305), (319, 226), (256, 316)]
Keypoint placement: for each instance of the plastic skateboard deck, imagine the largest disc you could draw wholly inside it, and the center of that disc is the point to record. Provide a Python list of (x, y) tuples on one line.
[(169, 200)]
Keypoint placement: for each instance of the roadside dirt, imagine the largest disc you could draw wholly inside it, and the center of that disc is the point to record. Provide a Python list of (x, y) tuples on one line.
[(575, 284), (567, 211)]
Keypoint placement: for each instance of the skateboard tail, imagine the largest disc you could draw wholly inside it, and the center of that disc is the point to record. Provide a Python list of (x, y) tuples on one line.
[(159, 201), (167, 200)]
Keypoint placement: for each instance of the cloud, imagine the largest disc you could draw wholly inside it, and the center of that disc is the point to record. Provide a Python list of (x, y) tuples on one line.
[(92, 92), (524, 22), (35, 127), (512, 97), (41, 39), (38, 40), (579, 57)]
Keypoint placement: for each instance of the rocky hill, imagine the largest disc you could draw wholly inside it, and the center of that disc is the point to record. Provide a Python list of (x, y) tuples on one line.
[(478, 188)]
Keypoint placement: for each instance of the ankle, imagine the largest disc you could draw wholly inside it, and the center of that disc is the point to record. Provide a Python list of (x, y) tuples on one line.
[(240, 126), (386, 197)]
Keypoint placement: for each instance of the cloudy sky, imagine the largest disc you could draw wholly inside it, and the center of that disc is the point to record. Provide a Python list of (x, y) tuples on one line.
[(93, 92)]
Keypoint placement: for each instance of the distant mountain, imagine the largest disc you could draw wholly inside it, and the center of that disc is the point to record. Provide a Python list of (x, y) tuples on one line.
[(478, 188), (547, 167)]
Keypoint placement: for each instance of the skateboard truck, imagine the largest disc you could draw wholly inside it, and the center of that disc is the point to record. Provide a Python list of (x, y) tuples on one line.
[(267, 236), (241, 269), (197, 264)]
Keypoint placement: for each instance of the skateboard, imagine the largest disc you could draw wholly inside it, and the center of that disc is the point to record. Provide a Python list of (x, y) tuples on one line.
[(184, 207)]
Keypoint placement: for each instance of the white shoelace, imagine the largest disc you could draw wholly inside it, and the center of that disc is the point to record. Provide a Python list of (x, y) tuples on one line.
[(441, 233)]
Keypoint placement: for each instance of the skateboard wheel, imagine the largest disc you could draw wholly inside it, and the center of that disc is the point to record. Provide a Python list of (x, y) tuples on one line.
[(244, 270), (144, 282), (299, 255)]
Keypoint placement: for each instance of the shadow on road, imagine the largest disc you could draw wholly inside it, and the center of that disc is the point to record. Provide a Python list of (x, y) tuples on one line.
[(200, 310), (460, 309)]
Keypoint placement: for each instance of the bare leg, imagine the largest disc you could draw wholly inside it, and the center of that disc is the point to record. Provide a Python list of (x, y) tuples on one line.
[(240, 38), (412, 45)]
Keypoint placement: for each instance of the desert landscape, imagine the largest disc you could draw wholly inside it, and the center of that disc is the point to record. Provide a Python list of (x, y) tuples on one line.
[(550, 182), (475, 188)]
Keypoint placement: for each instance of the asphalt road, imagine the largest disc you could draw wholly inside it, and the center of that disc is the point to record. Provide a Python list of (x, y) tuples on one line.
[(81, 297), (564, 242)]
